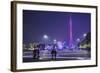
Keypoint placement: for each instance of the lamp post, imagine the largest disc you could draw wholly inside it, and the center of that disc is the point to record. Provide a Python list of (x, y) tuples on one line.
[(54, 41), (45, 37), (78, 41)]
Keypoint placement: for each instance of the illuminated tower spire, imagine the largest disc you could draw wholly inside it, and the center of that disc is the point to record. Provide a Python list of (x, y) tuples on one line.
[(70, 32)]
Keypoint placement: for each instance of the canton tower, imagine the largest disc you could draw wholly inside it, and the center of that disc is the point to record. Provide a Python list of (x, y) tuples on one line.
[(70, 32)]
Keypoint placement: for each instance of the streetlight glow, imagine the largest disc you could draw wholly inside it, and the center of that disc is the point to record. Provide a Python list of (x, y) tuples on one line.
[(84, 35), (55, 40), (45, 37), (78, 40)]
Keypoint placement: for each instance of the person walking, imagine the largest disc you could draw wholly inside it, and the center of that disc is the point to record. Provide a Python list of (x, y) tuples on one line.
[(54, 52), (36, 53)]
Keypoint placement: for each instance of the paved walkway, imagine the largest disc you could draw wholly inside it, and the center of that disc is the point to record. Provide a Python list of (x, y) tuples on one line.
[(61, 55)]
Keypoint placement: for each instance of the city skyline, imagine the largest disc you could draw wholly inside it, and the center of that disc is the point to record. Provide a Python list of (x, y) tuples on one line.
[(55, 25)]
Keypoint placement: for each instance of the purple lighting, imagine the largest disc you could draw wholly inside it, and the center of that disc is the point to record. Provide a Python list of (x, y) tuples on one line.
[(60, 44), (70, 32)]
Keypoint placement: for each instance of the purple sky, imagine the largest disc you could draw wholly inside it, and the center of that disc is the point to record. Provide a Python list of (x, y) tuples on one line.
[(54, 24)]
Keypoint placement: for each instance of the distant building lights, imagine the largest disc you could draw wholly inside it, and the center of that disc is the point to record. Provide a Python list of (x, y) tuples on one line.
[(60, 45)]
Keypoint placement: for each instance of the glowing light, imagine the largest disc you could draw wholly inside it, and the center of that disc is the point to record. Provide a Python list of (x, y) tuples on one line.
[(78, 40), (84, 35), (54, 41), (45, 37), (60, 45)]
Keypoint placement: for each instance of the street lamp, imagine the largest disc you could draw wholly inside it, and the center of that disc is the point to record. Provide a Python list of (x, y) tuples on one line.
[(45, 39), (78, 40), (54, 40), (45, 36), (84, 35)]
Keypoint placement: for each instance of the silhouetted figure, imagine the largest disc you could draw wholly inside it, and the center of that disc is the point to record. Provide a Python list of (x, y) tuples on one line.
[(43, 46), (54, 53), (36, 54), (38, 51)]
